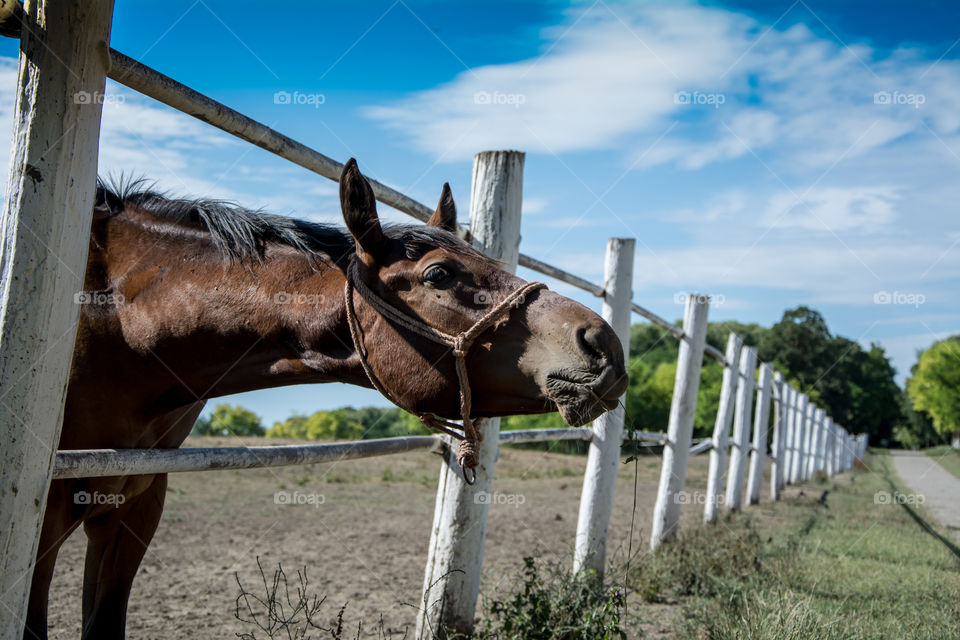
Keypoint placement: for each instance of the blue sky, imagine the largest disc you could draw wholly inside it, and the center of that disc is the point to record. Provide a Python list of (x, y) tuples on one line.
[(768, 153)]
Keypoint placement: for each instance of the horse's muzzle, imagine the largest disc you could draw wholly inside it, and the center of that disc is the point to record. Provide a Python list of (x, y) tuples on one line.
[(581, 395)]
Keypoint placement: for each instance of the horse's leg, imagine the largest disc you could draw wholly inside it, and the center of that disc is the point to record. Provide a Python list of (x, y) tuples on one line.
[(117, 542), (58, 524)]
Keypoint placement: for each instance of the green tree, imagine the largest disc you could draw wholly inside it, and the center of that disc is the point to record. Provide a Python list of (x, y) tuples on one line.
[(293, 427), (855, 386), (916, 430), (934, 386), (348, 423), (652, 344), (649, 394), (229, 420)]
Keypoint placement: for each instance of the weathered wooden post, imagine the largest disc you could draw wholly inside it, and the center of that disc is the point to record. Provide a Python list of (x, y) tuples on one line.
[(683, 407), (600, 476), (799, 428), (44, 240), (455, 556), (721, 429), (781, 392), (741, 430), (760, 425)]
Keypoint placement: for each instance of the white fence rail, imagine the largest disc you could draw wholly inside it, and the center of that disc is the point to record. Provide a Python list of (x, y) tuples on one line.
[(79, 33)]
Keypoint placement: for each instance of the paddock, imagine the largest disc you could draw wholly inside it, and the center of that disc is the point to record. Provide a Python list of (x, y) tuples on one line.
[(53, 170)]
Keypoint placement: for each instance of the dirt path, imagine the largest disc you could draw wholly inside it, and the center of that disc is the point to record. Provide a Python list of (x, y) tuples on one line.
[(364, 539), (939, 487)]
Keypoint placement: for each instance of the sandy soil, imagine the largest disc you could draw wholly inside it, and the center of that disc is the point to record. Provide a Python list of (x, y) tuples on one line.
[(365, 545)]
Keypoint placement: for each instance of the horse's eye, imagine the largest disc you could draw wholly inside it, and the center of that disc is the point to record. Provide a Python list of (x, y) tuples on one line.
[(436, 275)]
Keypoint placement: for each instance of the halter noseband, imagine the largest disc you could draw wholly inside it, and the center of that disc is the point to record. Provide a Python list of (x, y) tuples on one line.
[(467, 453)]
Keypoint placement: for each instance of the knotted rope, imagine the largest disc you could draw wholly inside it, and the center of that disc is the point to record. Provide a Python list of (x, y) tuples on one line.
[(467, 450)]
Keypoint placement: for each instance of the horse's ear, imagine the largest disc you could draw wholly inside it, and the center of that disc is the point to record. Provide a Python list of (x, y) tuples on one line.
[(445, 216), (360, 210)]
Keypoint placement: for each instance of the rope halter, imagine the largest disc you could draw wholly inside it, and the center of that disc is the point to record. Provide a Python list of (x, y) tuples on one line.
[(467, 450)]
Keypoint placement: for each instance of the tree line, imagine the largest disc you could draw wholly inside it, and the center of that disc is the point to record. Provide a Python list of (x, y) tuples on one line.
[(855, 385)]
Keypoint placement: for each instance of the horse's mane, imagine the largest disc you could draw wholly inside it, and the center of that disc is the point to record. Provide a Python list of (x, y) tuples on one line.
[(241, 234)]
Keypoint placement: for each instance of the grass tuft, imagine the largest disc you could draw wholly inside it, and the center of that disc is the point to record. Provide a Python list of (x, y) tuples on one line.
[(556, 606)]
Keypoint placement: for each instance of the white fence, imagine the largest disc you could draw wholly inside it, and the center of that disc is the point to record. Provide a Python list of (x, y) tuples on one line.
[(53, 171)]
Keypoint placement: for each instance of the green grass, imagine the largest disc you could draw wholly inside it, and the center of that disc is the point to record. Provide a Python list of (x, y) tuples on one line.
[(947, 457), (796, 569)]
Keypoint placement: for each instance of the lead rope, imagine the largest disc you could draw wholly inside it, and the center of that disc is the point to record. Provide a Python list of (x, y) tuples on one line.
[(467, 450)]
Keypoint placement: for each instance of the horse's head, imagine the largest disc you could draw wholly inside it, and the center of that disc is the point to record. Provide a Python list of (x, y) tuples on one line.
[(543, 353)]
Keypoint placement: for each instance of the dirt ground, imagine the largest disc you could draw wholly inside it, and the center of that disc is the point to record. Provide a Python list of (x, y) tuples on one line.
[(362, 530)]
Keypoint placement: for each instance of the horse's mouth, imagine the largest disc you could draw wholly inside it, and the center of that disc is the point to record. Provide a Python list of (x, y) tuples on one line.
[(581, 396)]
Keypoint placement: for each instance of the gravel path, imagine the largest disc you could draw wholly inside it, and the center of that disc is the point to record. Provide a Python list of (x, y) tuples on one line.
[(940, 488)]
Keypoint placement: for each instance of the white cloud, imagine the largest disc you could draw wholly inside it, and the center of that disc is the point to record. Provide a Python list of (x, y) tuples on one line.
[(822, 273), (186, 157), (533, 206), (608, 76), (609, 80), (833, 208)]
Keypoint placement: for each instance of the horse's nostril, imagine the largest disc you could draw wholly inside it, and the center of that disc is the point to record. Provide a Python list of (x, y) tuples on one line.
[(590, 341)]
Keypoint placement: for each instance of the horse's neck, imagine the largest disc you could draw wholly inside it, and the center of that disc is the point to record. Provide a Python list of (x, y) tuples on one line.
[(197, 326)]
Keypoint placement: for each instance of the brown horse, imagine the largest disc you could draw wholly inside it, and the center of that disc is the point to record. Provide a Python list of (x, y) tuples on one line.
[(189, 300)]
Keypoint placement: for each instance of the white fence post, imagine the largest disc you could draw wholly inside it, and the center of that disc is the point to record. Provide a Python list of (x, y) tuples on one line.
[(741, 429), (790, 400), (44, 241), (683, 407), (816, 437), (837, 444), (455, 555), (799, 426), (600, 476), (823, 421), (782, 394), (845, 451), (841, 450), (761, 424), (721, 429), (809, 426), (828, 448)]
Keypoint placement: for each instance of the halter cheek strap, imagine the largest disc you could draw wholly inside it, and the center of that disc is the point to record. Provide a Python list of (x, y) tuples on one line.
[(467, 450)]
